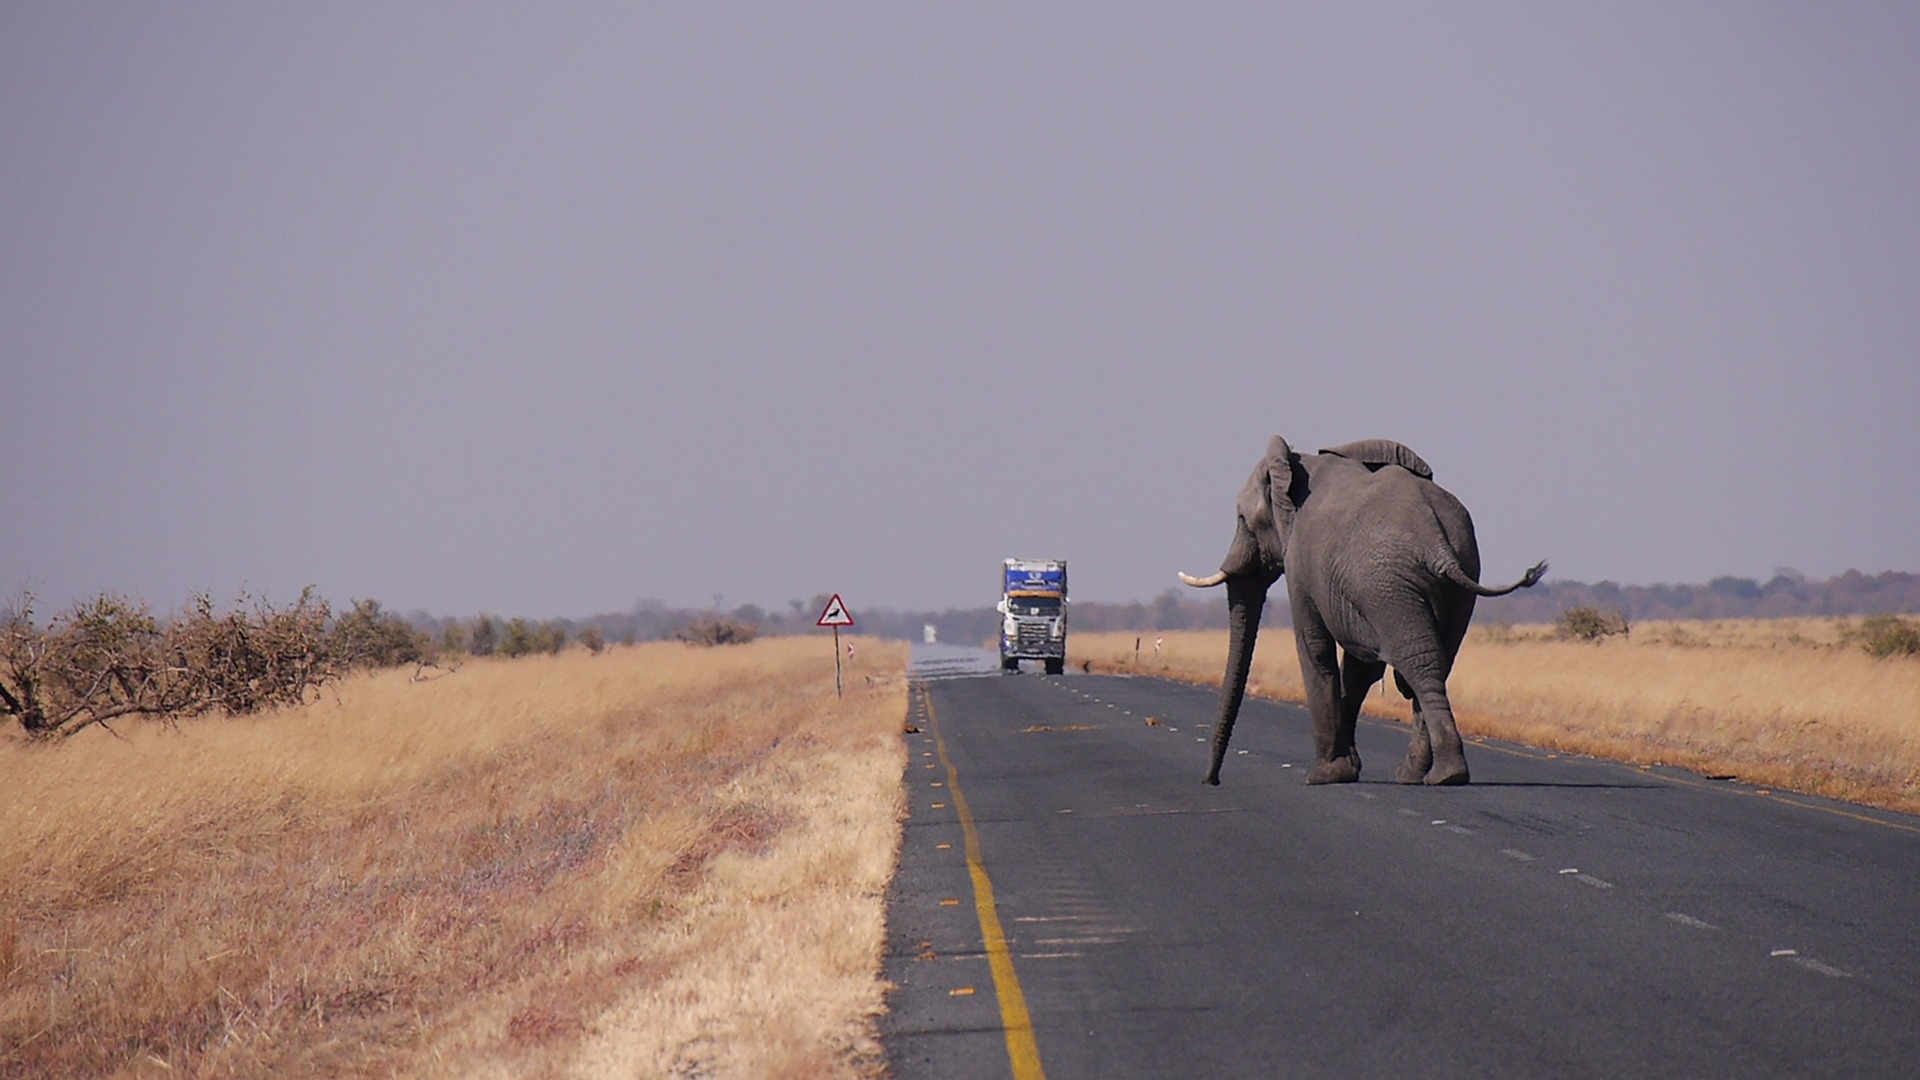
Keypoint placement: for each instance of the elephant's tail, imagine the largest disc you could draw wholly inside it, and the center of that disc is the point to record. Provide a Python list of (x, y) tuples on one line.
[(1448, 567)]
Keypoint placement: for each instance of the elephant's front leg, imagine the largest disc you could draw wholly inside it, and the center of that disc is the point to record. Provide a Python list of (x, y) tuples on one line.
[(1356, 681), (1320, 669), (1420, 747)]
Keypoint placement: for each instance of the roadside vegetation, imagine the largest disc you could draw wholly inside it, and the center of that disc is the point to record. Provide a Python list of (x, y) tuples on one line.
[(650, 860), (110, 658), (1819, 705)]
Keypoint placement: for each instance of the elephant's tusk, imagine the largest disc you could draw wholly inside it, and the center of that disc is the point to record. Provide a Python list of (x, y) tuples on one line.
[(1207, 582)]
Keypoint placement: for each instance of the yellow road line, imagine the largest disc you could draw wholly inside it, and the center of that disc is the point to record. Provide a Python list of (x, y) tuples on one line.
[(1834, 810), (1022, 1052)]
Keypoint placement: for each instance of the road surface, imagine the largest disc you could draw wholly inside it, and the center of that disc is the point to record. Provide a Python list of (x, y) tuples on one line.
[(1073, 902)]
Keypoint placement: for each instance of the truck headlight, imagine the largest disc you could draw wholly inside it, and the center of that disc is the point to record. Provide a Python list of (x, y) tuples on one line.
[(1058, 628), (1010, 627)]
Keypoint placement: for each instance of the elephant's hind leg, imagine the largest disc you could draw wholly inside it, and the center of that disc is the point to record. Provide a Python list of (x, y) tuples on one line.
[(1448, 764), (1420, 747)]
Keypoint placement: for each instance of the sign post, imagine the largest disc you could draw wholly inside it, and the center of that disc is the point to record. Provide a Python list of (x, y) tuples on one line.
[(836, 615)]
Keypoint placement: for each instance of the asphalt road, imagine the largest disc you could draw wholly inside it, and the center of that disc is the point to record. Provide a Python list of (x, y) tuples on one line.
[(1561, 916)]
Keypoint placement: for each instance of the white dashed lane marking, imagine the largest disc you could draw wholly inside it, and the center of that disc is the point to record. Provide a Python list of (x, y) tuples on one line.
[(1828, 970), (1681, 918)]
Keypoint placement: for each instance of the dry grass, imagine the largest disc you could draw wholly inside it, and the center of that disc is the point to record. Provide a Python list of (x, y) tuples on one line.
[(659, 861), (1774, 702)]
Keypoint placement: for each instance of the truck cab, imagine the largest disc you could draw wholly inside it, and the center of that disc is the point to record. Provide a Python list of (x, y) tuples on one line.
[(1033, 613)]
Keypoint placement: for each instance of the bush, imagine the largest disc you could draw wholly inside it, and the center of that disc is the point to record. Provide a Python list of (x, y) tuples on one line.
[(717, 630), (369, 637), (590, 637), (524, 637), (239, 663), (1591, 624), (109, 657), (517, 638), (1886, 635), (484, 637)]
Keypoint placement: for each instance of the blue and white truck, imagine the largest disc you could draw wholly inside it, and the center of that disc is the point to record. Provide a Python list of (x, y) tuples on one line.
[(1033, 614)]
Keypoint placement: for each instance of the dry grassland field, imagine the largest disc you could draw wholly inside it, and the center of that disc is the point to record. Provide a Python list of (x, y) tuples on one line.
[(1780, 702), (663, 859), (670, 860)]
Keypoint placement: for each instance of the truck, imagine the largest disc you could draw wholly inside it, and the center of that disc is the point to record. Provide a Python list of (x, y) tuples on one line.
[(1033, 613)]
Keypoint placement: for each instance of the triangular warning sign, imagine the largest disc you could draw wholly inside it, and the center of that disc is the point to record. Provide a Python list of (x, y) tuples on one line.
[(836, 613)]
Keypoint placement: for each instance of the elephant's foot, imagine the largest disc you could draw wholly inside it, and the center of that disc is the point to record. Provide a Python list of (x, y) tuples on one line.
[(1415, 766), (1343, 770), (1449, 774)]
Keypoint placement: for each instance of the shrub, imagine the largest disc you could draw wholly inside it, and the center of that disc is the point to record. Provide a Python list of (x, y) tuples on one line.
[(590, 637), (109, 657), (369, 637), (524, 637), (517, 638), (1886, 635), (484, 637), (716, 630), (1591, 624), (241, 663)]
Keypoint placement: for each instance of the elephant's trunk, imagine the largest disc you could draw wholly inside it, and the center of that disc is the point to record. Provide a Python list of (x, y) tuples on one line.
[(1245, 599), (1207, 582)]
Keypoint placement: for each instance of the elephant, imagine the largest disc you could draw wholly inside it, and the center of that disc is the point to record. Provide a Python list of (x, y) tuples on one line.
[(1382, 569)]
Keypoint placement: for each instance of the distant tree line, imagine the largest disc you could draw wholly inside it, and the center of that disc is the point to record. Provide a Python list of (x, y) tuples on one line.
[(111, 657), (1785, 595), (648, 620), (1171, 610)]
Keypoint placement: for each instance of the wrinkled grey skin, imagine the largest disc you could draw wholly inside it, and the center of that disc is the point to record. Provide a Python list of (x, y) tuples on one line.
[(1382, 563)]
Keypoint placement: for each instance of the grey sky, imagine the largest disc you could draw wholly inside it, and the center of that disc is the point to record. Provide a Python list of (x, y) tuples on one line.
[(543, 311)]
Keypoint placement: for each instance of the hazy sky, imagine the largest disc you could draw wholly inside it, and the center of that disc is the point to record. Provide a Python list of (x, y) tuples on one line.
[(542, 309)]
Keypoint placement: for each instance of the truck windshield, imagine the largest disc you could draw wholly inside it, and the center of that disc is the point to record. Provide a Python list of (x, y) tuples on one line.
[(1034, 605)]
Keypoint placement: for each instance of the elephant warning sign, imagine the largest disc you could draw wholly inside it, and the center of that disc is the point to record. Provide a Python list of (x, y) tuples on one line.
[(836, 613)]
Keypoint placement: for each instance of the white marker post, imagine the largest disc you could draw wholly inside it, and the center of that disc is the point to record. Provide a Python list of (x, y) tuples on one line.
[(836, 615)]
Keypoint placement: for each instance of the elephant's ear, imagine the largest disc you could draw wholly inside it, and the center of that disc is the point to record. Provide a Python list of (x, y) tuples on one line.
[(1266, 515), (1375, 453)]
